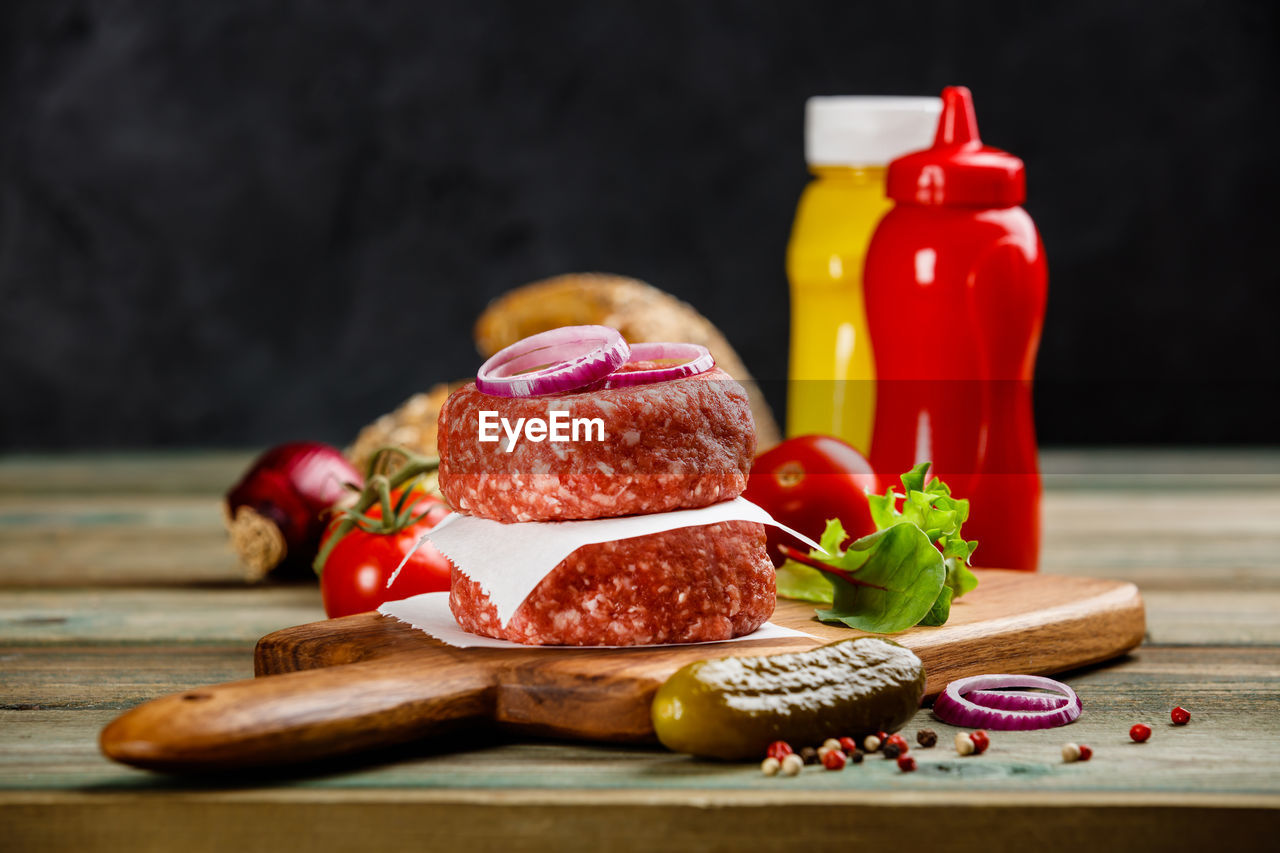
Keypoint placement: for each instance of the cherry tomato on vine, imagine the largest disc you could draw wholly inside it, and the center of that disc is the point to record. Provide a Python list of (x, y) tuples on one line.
[(357, 567), (805, 481)]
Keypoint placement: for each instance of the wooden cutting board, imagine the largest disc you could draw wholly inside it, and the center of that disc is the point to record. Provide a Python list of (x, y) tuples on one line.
[(346, 685)]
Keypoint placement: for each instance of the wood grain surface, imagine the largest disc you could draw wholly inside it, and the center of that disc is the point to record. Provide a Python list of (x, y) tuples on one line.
[(346, 685), (1015, 621), (116, 587)]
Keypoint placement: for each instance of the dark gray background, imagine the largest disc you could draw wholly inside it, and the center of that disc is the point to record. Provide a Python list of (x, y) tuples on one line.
[(239, 222)]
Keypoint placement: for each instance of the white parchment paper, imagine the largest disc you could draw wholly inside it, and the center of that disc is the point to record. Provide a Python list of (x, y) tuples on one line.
[(509, 560), (430, 614)]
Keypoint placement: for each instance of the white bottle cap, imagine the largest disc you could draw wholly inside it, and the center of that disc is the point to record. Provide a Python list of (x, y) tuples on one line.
[(867, 131)]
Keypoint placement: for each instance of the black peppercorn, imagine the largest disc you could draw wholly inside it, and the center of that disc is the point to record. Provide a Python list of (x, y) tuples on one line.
[(856, 756), (809, 755), (927, 738), (891, 750)]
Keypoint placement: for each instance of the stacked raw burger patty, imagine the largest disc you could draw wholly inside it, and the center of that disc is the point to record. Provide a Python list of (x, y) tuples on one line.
[(672, 445), (668, 445)]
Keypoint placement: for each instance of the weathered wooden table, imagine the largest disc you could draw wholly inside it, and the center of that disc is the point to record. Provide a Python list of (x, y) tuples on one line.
[(116, 586)]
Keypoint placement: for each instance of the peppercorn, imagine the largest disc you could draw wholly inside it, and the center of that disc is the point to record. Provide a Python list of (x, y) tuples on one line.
[(849, 745), (899, 741), (906, 764), (1085, 753), (809, 755), (891, 750), (792, 765), (871, 744), (927, 738), (834, 759), (1140, 732), (770, 766), (830, 743), (779, 749), (980, 741), (1180, 716), (1070, 753), (964, 743), (856, 756)]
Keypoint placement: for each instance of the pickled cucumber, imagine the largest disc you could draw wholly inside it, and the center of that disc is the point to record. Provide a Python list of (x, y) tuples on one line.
[(734, 707)]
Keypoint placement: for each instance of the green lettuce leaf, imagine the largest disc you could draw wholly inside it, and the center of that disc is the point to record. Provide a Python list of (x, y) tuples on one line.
[(833, 537), (959, 580), (804, 583), (940, 612), (905, 567), (906, 573)]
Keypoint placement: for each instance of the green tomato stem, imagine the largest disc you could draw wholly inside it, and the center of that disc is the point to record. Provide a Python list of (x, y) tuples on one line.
[(378, 488)]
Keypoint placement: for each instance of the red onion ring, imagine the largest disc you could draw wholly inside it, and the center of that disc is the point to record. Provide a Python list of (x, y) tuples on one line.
[(954, 707), (1016, 701), (550, 362), (693, 359)]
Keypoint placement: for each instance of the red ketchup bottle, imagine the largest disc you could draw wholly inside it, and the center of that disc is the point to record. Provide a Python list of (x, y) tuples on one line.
[(956, 284)]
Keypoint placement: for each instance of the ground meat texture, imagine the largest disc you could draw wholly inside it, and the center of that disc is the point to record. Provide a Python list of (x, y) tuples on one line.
[(688, 585), (667, 445)]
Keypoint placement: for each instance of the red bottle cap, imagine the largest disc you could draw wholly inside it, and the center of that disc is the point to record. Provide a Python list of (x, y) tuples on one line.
[(958, 171)]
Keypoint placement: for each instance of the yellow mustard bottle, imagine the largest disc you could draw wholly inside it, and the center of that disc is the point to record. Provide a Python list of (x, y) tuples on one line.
[(849, 142)]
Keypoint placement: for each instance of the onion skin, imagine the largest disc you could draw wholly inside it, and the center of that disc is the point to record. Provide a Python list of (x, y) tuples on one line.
[(695, 359), (580, 356), (275, 514), (953, 705), (1016, 701)]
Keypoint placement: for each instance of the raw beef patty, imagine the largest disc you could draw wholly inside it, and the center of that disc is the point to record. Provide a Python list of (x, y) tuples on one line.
[(692, 584), (679, 444)]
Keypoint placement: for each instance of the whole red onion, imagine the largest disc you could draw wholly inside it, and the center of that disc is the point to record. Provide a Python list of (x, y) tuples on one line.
[(276, 513)]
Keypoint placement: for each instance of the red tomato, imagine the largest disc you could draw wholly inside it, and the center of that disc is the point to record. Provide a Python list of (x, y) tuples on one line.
[(355, 573), (807, 480)]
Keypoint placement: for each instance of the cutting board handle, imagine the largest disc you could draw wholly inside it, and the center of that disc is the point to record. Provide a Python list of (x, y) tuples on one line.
[(299, 716)]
